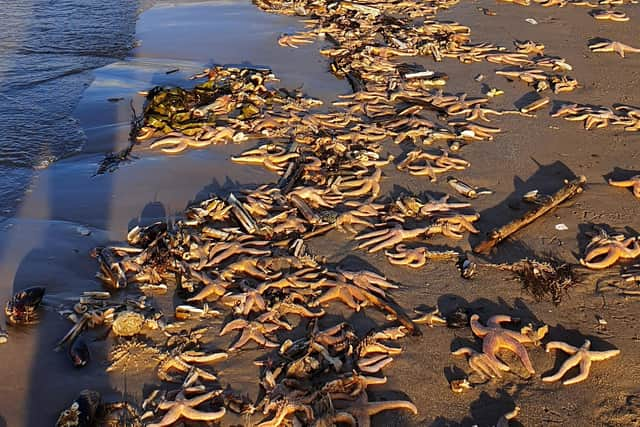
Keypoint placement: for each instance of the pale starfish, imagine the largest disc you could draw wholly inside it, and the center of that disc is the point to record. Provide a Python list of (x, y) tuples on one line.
[(182, 407), (251, 331), (481, 363), (613, 46), (430, 318), (608, 250), (362, 410), (362, 186), (580, 355), (495, 337), (633, 182), (388, 237), (246, 302), (416, 257)]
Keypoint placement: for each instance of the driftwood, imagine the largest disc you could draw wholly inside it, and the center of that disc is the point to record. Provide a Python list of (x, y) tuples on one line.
[(570, 189)]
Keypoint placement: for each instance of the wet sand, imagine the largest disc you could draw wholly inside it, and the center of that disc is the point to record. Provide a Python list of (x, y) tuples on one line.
[(42, 245)]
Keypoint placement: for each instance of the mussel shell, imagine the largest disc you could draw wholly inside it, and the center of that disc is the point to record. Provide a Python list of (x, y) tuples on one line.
[(79, 353), (467, 268), (458, 318), (82, 412), (21, 308)]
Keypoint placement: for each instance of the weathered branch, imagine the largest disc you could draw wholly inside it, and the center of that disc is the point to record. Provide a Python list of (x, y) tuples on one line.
[(570, 189)]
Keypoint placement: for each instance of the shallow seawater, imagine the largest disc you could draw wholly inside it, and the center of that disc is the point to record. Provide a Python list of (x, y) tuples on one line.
[(47, 51)]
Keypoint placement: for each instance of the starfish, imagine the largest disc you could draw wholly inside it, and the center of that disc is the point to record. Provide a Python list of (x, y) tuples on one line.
[(416, 257), (251, 331), (495, 337), (351, 295), (368, 280), (182, 407), (608, 250), (317, 197), (612, 46), (362, 186), (611, 15), (579, 355), (362, 410), (246, 302), (222, 251), (285, 409), (633, 182), (388, 237), (272, 156), (295, 40), (248, 266), (212, 290), (481, 363), (430, 318)]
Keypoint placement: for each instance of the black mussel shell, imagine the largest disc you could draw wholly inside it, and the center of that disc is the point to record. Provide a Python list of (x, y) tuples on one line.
[(459, 318), (21, 308), (82, 412), (79, 353), (467, 267)]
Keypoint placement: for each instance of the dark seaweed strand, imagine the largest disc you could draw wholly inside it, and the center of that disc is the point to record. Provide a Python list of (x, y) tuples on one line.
[(112, 161)]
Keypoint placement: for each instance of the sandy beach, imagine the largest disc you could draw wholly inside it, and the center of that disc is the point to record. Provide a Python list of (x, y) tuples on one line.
[(67, 211)]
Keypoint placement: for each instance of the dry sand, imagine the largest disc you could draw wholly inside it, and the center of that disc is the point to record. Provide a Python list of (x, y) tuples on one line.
[(42, 245)]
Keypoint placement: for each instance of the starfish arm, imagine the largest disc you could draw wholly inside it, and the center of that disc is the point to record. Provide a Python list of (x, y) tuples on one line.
[(569, 349), (497, 320), (195, 401), (566, 366), (344, 418), (390, 405), (262, 340), (611, 258), (373, 365), (245, 337), (485, 367), (233, 325), (585, 366), (391, 241), (463, 351), (195, 415), (478, 328), (169, 418), (603, 355)]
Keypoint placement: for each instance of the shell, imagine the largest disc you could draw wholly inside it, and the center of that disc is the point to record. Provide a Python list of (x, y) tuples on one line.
[(79, 353), (82, 412), (21, 308), (128, 324)]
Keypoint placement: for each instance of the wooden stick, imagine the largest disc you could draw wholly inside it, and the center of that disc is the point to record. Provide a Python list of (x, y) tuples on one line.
[(570, 189)]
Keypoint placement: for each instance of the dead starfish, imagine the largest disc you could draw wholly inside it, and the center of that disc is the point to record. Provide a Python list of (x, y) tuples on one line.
[(612, 46), (224, 250), (416, 257), (361, 186), (272, 156), (246, 302), (481, 363), (182, 407), (362, 410), (633, 182), (251, 331), (430, 318), (610, 15), (609, 249), (295, 40), (495, 337), (388, 237), (580, 355)]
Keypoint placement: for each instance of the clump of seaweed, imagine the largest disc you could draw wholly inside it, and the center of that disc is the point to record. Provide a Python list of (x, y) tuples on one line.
[(549, 278)]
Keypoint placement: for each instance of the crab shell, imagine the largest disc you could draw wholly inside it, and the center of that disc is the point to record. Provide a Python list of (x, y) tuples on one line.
[(128, 324)]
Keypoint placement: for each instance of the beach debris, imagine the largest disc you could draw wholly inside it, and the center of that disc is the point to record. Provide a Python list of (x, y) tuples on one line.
[(549, 278), (582, 356), (465, 189), (22, 308), (460, 385), (467, 267), (531, 21), (561, 227), (417, 257), (535, 105), (127, 323), (633, 183), (570, 189), (4, 335), (82, 412), (604, 250), (79, 353)]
